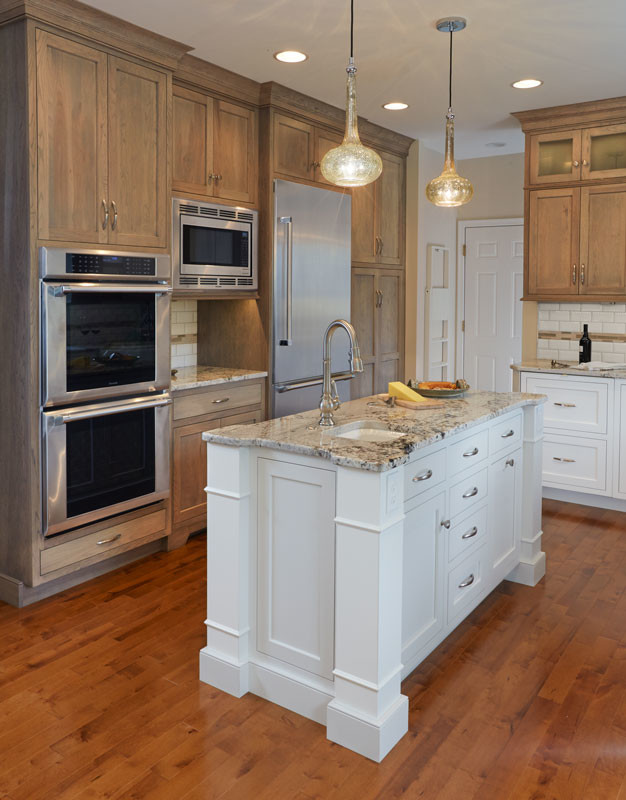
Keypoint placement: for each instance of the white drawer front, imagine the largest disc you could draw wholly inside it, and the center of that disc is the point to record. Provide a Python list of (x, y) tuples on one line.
[(466, 582), (505, 433), (468, 451), (424, 473), (575, 464), (467, 534), (468, 492), (573, 404)]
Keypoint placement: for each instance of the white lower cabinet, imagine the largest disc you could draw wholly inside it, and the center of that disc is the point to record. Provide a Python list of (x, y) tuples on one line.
[(505, 489), (465, 584), (620, 393), (577, 464)]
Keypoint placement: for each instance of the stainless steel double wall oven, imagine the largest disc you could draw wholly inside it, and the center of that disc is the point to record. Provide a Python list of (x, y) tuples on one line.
[(105, 373)]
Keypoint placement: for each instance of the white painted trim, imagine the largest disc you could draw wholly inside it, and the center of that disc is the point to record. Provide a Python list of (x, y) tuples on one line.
[(582, 499), (225, 629), (372, 738), (224, 493), (374, 687), (462, 226), (363, 526)]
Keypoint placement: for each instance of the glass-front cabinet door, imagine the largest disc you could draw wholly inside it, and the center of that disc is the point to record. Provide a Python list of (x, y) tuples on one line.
[(604, 152), (555, 157)]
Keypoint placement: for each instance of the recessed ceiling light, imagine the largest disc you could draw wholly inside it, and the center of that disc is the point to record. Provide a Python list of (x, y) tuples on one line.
[(495, 144), (395, 106), (290, 56), (526, 83)]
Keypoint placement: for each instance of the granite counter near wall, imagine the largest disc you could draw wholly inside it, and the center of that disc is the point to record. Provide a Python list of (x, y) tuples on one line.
[(184, 333), (608, 319)]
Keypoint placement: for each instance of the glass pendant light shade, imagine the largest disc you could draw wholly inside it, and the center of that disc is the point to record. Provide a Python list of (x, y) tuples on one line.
[(449, 189), (351, 164)]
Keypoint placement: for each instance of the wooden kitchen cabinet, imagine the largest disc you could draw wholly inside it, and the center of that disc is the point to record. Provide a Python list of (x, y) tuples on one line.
[(603, 240), (378, 317), (215, 147), (102, 146), (553, 242), (294, 147)]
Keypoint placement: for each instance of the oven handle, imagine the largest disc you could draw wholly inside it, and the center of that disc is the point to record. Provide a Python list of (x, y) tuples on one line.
[(99, 288), (103, 412), (287, 341)]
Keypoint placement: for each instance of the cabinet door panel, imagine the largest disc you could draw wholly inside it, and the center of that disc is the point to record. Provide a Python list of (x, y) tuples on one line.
[(324, 141), (235, 152), (504, 513), (189, 470), (603, 240), (192, 145), (553, 242), (604, 152), (364, 224), (620, 398), (71, 138), (293, 147), (390, 209), (391, 313), (137, 153), (364, 314), (555, 157)]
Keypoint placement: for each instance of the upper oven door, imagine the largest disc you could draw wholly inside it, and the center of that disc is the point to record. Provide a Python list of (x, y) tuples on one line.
[(102, 340), (216, 247)]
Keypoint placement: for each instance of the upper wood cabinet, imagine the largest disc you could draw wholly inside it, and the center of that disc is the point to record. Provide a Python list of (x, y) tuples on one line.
[(603, 240), (214, 148), (102, 146), (378, 216), (553, 233), (299, 148)]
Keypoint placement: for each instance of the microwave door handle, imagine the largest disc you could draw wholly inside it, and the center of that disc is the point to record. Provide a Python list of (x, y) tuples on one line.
[(100, 288), (75, 416), (287, 341)]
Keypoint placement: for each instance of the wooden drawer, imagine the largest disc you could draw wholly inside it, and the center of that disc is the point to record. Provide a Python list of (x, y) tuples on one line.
[(103, 543), (218, 400), (575, 463), (468, 452), (424, 473), (467, 492), (505, 433), (247, 418), (467, 534), (574, 405), (466, 582)]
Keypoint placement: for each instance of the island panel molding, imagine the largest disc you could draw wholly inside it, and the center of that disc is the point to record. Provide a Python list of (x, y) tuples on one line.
[(401, 581)]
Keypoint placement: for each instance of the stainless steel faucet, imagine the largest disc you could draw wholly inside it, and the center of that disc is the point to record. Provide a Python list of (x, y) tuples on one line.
[(330, 398)]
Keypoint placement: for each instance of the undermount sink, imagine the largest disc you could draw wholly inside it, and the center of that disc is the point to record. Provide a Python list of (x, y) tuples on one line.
[(365, 430)]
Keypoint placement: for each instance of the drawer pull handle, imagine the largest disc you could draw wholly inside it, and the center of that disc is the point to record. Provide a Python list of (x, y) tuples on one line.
[(510, 462), (566, 405), (223, 400), (424, 476), (445, 523), (112, 539), (467, 582), (508, 434), (470, 453), (472, 493), (470, 534), (564, 460)]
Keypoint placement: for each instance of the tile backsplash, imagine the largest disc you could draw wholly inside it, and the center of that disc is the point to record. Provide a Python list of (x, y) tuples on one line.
[(184, 333), (604, 318)]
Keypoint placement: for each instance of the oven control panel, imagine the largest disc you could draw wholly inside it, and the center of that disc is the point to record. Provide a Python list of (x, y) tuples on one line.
[(98, 264)]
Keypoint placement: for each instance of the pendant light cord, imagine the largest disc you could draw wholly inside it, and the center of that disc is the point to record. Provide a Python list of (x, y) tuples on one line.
[(450, 78), (351, 30)]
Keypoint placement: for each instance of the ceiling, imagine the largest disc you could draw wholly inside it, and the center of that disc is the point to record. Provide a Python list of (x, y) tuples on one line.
[(574, 46)]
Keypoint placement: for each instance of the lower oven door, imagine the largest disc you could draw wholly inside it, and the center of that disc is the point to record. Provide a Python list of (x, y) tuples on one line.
[(104, 459)]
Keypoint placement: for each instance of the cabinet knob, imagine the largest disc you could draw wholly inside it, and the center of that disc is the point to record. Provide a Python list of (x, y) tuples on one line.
[(510, 462), (585, 162), (445, 523), (575, 163)]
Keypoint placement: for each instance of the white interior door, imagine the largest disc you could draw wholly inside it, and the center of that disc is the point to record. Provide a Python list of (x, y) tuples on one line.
[(494, 266)]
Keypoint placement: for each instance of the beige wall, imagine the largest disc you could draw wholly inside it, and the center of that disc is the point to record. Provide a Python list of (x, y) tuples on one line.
[(498, 187)]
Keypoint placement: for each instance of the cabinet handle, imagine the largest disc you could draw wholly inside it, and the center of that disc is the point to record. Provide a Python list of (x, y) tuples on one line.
[(470, 534), (467, 582), (472, 493), (564, 460), (218, 177), (223, 400), (508, 434), (381, 299), (576, 163), (510, 462), (214, 177), (574, 275), (382, 244), (424, 476), (445, 523), (315, 164), (566, 405), (585, 162), (114, 223), (112, 539), (471, 453), (376, 245), (105, 208), (582, 274), (377, 305)]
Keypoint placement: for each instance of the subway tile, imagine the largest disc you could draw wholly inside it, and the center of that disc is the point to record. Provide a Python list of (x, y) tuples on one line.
[(190, 360), (549, 306), (579, 316), (547, 354), (547, 325), (614, 358), (619, 347), (602, 347), (177, 329), (619, 317), (543, 315), (614, 327), (178, 362), (590, 307), (601, 316), (190, 327), (559, 316), (185, 316), (564, 355)]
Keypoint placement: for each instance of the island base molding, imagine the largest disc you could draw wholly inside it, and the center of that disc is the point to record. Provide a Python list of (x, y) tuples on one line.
[(584, 499)]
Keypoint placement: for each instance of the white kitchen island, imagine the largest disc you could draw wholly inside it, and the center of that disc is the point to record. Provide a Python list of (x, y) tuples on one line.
[(336, 564)]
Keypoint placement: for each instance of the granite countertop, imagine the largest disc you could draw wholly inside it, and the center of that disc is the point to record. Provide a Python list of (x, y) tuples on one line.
[(543, 365), (196, 377), (300, 433)]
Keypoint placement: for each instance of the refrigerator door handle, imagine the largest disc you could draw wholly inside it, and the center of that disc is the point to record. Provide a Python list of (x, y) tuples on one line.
[(287, 341)]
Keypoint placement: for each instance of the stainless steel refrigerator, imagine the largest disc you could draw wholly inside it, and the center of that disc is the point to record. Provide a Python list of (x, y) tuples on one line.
[(311, 288)]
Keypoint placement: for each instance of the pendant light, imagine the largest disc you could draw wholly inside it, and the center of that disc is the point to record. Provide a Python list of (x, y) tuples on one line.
[(450, 189), (351, 164)]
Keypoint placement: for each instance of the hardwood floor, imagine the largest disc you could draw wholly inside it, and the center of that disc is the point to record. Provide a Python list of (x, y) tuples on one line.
[(526, 700)]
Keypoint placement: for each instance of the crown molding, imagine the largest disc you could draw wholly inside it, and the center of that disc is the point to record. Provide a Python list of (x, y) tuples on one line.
[(595, 112)]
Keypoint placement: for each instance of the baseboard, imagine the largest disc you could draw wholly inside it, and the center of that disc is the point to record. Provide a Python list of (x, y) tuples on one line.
[(529, 573), (584, 499), (11, 590), (370, 738)]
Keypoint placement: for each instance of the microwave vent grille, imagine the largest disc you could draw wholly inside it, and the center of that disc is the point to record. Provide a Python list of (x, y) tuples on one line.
[(246, 217), (228, 281), (189, 282), (185, 281), (208, 211), (208, 281), (245, 282), (189, 209), (226, 213)]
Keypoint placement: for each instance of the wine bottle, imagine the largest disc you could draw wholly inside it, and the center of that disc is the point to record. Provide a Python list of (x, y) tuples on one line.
[(584, 349)]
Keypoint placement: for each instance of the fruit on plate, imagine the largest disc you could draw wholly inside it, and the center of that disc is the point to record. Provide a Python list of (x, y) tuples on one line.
[(402, 392), (460, 384)]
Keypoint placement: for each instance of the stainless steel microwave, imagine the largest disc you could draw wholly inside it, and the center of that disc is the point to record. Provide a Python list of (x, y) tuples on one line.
[(214, 247)]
